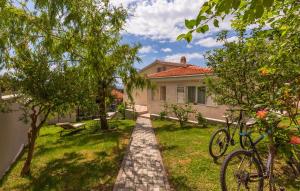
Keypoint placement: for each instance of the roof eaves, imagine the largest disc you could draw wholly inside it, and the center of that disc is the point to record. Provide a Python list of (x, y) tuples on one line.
[(180, 76)]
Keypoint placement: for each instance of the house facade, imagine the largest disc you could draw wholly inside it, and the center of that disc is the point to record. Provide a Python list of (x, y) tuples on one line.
[(178, 83)]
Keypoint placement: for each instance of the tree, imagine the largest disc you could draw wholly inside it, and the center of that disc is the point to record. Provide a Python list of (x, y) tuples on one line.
[(93, 31), (260, 70), (261, 12), (40, 74), (255, 72)]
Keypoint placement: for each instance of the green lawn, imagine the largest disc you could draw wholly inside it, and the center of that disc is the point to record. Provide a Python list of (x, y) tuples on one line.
[(187, 160), (86, 160)]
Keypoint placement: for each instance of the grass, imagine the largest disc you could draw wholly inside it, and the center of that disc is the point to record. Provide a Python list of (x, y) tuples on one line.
[(187, 160), (84, 160)]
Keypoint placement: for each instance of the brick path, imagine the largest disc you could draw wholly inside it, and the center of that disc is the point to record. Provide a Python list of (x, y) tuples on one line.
[(142, 167)]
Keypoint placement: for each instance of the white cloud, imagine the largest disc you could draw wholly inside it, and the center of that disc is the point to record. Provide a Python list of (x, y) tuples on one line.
[(212, 42), (164, 19), (189, 46), (146, 49), (189, 56), (124, 3), (166, 49)]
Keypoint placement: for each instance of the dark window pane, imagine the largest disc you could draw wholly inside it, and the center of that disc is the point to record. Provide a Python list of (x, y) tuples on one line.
[(191, 94), (201, 95)]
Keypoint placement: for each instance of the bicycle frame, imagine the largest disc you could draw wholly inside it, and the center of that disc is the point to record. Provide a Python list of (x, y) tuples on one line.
[(239, 124), (265, 168)]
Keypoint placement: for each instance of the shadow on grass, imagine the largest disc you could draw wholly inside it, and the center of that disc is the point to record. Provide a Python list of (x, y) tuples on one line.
[(180, 183), (73, 172)]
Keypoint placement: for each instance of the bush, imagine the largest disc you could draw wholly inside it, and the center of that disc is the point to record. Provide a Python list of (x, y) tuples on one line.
[(122, 110), (201, 120), (163, 114), (182, 113)]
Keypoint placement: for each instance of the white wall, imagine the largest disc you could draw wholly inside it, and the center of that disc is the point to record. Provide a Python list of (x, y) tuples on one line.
[(13, 135)]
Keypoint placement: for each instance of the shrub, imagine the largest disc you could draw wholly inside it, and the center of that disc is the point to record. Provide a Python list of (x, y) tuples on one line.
[(182, 113), (122, 110), (201, 120), (163, 114)]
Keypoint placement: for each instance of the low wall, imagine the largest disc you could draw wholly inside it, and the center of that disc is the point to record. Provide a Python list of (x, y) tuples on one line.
[(13, 137), (209, 120)]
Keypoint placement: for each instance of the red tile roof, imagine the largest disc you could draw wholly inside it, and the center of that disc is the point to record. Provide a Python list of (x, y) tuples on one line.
[(117, 94), (181, 71)]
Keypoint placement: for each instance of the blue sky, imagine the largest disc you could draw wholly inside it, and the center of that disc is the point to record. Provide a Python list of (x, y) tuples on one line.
[(155, 24)]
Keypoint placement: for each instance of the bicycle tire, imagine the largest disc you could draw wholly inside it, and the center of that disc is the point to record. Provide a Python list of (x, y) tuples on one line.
[(211, 142), (226, 163)]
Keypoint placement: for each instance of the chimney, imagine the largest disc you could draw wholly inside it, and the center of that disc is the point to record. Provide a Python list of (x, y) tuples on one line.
[(183, 61)]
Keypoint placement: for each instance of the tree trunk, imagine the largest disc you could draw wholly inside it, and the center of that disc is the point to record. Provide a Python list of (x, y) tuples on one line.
[(102, 108), (32, 134), (272, 153)]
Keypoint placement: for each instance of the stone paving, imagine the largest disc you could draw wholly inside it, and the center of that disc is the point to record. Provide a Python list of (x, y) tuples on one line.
[(142, 168)]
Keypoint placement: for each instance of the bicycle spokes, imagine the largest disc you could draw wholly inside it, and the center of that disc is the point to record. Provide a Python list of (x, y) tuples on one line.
[(242, 174), (220, 143)]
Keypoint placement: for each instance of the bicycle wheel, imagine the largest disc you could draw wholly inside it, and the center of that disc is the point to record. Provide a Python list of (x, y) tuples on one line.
[(241, 171), (218, 143)]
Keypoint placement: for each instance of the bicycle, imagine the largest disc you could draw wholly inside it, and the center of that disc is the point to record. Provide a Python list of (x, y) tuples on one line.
[(222, 138), (252, 178)]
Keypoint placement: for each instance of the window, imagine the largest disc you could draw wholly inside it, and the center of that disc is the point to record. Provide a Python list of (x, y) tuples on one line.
[(180, 94), (163, 93), (160, 69), (201, 95), (191, 94)]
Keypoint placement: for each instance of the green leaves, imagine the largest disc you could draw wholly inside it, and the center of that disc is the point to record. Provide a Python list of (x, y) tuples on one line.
[(236, 4), (200, 18), (259, 11), (190, 24), (216, 23), (202, 29), (180, 37), (268, 3), (188, 37), (250, 12)]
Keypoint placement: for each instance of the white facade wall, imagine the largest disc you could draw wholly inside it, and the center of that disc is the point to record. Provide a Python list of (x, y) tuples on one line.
[(13, 136)]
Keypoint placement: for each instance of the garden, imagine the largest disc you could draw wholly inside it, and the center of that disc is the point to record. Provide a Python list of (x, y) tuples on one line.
[(189, 164), (82, 160), (59, 57)]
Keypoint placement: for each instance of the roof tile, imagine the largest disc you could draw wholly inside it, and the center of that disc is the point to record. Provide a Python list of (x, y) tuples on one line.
[(181, 71)]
